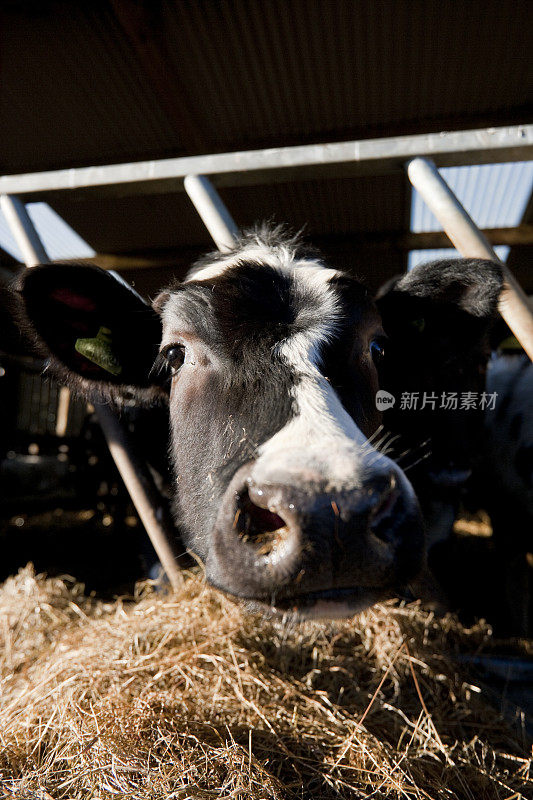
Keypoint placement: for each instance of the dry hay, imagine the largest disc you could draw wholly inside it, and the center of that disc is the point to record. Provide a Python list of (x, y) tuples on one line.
[(189, 697)]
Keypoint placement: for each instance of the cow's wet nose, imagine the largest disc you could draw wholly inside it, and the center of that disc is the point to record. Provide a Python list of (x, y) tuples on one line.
[(274, 537), (266, 510)]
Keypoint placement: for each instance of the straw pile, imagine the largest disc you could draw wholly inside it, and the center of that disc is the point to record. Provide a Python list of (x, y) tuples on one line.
[(189, 697)]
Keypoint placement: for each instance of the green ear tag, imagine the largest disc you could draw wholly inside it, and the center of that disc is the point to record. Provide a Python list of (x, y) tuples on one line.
[(99, 351)]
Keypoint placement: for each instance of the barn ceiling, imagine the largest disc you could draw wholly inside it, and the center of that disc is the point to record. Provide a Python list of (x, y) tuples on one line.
[(119, 80)]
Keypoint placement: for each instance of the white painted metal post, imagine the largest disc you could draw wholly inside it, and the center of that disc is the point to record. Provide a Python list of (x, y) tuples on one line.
[(23, 230), (134, 473), (212, 210), (515, 307)]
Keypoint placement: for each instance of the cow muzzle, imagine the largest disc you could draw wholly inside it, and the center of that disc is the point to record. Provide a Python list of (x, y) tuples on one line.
[(305, 547)]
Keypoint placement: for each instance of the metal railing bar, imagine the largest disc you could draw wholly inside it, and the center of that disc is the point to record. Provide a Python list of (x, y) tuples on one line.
[(515, 307), (366, 156)]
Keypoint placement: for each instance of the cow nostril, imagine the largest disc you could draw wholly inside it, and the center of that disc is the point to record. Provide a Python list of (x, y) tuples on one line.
[(385, 507), (258, 525)]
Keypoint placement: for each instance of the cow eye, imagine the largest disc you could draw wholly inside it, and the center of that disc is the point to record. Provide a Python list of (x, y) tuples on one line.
[(174, 355), (377, 351)]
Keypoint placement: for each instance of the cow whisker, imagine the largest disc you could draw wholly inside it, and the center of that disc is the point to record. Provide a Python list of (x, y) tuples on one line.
[(412, 450), (373, 435), (414, 464)]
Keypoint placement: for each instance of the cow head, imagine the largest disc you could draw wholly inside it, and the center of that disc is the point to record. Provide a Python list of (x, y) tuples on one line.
[(270, 363), (438, 319)]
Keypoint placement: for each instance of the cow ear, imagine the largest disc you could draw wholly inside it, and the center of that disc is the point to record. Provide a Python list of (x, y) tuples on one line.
[(98, 333), (437, 319), (447, 304)]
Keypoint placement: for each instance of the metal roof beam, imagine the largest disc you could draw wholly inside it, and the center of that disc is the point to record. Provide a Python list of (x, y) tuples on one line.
[(364, 157), (434, 240), (182, 257)]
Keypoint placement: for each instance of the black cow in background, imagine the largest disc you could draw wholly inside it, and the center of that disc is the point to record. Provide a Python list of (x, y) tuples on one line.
[(271, 364), (481, 456), (502, 484), (438, 318)]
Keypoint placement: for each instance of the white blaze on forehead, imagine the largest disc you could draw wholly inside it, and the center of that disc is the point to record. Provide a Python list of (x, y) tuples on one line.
[(322, 440), (310, 281), (279, 256), (321, 443)]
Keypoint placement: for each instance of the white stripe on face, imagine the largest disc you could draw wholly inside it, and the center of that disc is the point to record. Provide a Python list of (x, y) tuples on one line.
[(322, 443)]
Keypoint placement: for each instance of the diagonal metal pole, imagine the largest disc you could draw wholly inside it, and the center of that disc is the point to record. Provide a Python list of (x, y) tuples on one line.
[(23, 230), (133, 470), (515, 307), (212, 210)]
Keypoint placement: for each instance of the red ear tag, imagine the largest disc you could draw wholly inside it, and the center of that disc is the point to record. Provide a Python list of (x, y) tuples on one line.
[(77, 301)]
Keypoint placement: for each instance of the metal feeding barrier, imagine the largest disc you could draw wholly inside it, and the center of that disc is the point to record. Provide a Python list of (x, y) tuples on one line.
[(418, 155), (134, 472)]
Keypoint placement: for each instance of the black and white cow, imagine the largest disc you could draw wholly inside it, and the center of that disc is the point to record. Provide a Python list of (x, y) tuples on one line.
[(270, 362)]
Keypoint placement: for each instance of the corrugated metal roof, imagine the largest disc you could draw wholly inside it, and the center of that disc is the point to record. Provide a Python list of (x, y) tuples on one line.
[(495, 195), (115, 80)]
